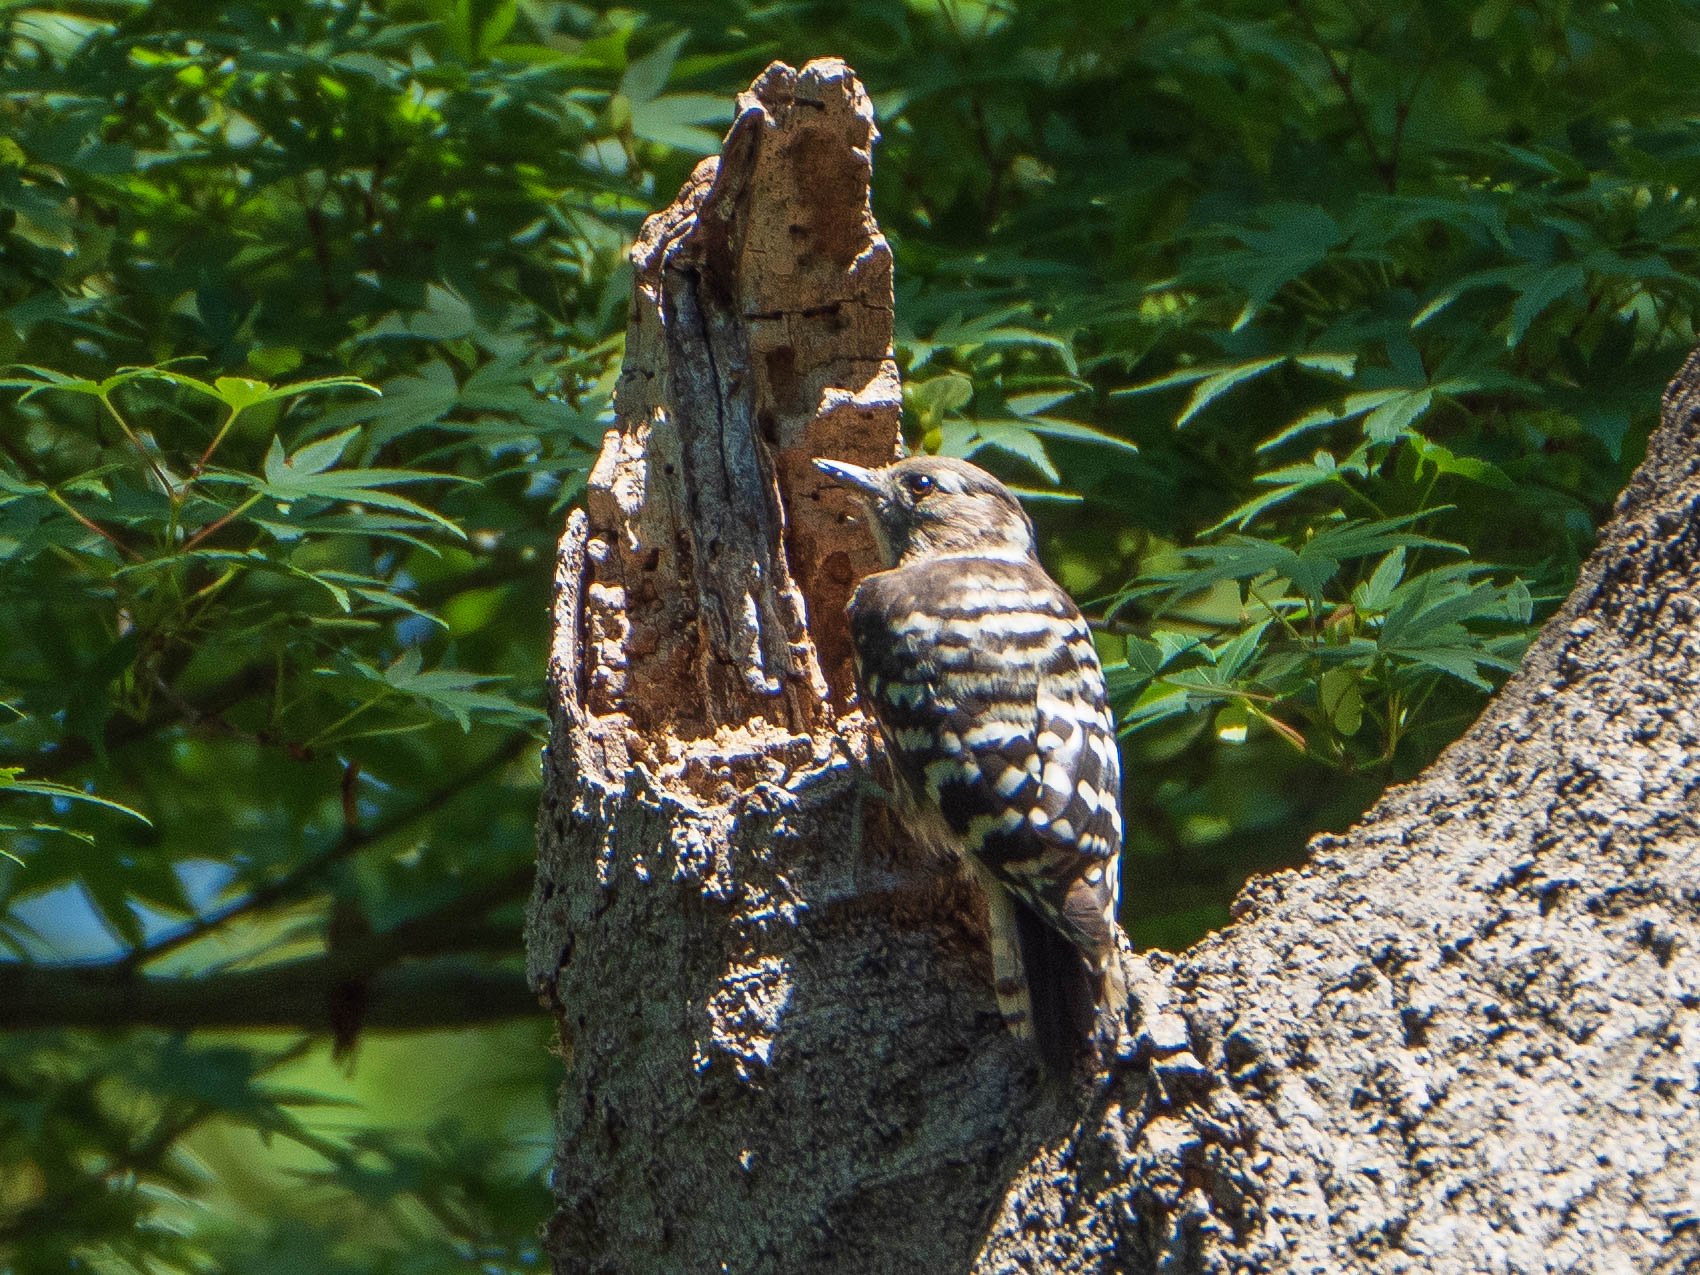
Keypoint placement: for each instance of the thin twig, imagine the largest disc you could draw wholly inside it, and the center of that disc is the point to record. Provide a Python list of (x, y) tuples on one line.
[(95, 527), (208, 530), (1343, 81), (165, 484)]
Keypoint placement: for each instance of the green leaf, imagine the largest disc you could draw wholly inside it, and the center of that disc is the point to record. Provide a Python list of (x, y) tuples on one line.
[(1217, 379), (675, 120), (1286, 242), (10, 782), (445, 316), (967, 438), (111, 900), (315, 386), (414, 401), (938, 395), (1051, 427), (1345, 365), (1608, 425), (1040, 401), (645, 78), (1232, 723), (1538, 289), (285, 482), (1351, 405), (1375, 595), (1156, 704), (448, 692), (1392, 419), (496, 25), (1213, 386), (42, 378), (1292, 480), (314, 458), (1341, 700), (1311, 566), (1496, 277), (1233, 655), (1426, 622), (238, 392), (993, 330), (1441, 461), (1052, 495)]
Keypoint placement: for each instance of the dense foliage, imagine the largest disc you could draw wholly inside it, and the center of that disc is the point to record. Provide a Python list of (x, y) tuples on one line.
[(1322, 336)]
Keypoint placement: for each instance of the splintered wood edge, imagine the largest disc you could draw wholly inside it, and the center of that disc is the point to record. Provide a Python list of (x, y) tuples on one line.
[(661, 648)]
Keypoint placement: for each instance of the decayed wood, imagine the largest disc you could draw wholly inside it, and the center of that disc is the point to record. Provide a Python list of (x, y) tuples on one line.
[(760, 336), (1465, 1037)]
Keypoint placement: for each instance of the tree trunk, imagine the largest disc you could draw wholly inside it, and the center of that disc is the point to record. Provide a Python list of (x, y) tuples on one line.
[(1464, 1037)]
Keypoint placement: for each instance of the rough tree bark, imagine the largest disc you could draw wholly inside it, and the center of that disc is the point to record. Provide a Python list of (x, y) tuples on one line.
[(1464, 1037)]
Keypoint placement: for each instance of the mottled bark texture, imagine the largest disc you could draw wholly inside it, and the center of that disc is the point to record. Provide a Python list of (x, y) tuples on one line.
[(1465, 1037)]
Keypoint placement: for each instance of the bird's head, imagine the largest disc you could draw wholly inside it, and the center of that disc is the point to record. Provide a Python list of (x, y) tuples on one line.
[(932, 507)]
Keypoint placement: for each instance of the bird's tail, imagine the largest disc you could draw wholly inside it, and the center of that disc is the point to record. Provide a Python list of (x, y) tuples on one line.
[(1064, 993)]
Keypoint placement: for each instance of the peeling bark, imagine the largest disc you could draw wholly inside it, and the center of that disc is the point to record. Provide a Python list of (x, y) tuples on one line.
[(1465, 1037)]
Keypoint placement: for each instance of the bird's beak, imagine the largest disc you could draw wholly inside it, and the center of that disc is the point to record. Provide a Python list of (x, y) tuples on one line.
[(867, 482)]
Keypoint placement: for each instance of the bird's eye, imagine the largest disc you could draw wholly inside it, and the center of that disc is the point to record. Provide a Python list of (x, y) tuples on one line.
[(919, 484)]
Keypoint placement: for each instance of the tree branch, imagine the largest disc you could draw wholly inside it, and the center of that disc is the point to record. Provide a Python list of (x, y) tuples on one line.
[(303, 874), (294, 994), (387, 965), (1388, 172)]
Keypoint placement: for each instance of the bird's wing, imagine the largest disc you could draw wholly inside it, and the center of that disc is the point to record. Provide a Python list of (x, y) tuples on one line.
[(987, 688)]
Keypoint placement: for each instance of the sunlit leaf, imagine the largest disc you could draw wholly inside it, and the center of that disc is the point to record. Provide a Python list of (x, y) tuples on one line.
[(10, 782)]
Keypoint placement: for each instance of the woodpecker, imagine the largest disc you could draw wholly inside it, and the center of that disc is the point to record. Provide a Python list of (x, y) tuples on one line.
[(990, 699)]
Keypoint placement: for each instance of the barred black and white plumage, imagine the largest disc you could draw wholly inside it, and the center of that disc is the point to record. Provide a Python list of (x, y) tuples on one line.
[(990, 697)]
